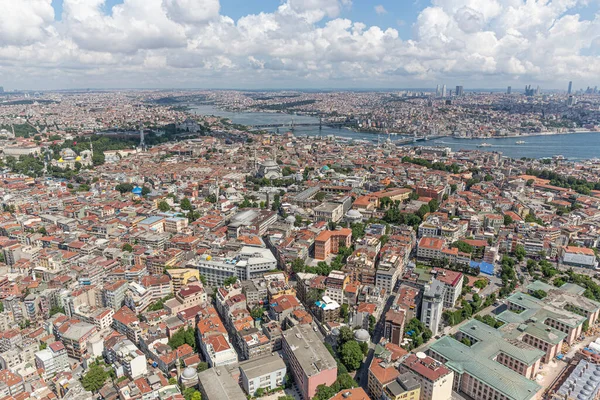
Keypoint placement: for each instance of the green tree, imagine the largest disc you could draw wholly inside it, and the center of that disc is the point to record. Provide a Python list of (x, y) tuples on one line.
[(346, 335), (185, 204), (364, 346), (507, 220), (539, 294), (298, 265), (230, 281), (324, 393), (424, 209), (164, 206), (94, 379), (181, 337), (127, 247), (520, 252), (345, 381), (172, 381), (351, 355), (433, 205), (56, 310), (202, 366), (257, 312), (344, 311)]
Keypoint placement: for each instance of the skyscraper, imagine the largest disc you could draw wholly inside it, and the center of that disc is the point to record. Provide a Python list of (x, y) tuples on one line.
[(459, 91), (570, 87), (443, 90), (437, 91), (509, 90)]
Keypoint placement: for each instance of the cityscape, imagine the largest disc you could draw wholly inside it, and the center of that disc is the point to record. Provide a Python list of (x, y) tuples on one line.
[(307, 200)]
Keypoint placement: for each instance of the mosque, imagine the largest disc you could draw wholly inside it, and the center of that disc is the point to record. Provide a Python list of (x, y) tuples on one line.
[(68, 158)]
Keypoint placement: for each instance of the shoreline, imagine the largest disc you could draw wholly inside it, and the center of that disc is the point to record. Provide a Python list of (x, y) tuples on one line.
[(399, 134)]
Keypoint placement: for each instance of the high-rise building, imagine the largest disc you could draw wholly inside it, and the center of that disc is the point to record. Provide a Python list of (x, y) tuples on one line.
[(571, 101), (1, 89), (509, 90), (570, 87), (443, 90), (459, 91), (432, 306), (437, 91)]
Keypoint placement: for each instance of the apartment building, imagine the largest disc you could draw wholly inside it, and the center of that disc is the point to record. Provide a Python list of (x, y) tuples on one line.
[(266, 372), (52, 360), (328, 242), (432, 306), (309, 361), (453, 284), (434, 378)]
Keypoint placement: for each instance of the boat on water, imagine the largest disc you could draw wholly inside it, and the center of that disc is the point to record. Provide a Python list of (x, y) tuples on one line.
[(484, 145), (520, 142)]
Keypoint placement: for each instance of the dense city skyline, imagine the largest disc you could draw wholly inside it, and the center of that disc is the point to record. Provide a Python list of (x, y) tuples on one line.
[(64, 44)]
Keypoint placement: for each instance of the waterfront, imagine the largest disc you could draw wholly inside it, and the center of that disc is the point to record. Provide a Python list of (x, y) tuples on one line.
[(577, 146)]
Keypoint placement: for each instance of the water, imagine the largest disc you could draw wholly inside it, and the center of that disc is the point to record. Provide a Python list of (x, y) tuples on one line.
[(577, 146)]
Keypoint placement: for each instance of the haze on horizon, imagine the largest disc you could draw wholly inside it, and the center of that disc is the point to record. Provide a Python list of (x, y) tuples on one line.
[(252, 44)]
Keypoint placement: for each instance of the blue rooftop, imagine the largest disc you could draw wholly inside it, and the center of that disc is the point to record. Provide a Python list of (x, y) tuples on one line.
[(484, 268)]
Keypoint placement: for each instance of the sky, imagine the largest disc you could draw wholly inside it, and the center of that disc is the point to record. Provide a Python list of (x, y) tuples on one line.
[(271, 44)]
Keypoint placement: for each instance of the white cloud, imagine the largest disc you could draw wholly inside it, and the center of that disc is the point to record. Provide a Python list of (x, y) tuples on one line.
[(300, 43), (380, 10), (25, 22), (192, 11)]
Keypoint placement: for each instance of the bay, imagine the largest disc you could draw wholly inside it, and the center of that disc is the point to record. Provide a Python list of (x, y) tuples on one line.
[(573, 146)]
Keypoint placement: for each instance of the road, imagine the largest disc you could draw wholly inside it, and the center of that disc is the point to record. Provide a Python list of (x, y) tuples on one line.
[(361, 375)]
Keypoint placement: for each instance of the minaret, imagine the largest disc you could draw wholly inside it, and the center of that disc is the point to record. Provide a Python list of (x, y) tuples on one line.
[(142, 144)]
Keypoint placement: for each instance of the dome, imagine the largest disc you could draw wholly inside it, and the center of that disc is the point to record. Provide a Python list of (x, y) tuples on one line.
[(361, 335), (137, 190), (354, 214), (290, 219), (230, 190), (189, 373), (269, 163), (325, 168)]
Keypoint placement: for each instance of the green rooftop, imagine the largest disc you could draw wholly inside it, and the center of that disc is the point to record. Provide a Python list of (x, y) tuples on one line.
[(477, 361)]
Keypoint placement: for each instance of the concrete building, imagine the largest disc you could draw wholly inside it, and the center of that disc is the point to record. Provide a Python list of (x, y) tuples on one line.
[(248, 263), (309, 361), (581, 257), (265, 372), (491, 368), (217, 383), (52, 359), (328, 242), (335, 284), (76, 338), (432, 306), (453, 284), (435, 379), (181, 276), (405, 387)]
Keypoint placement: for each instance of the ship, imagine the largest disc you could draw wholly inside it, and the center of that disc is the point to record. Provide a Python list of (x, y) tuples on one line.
[(484, 145), (520, 142)]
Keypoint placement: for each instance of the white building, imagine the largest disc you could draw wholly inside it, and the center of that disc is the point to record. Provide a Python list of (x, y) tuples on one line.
[(248, 263), (52, 359), (266, 372), (217, 350), (432, 306)]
